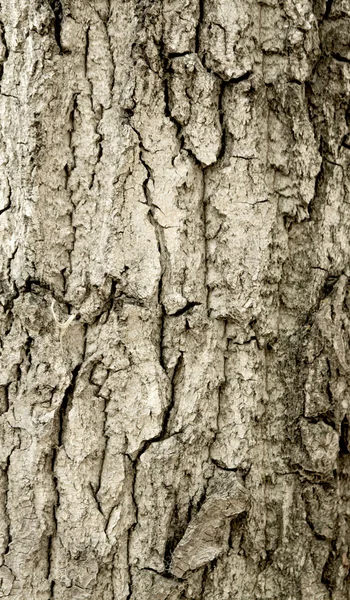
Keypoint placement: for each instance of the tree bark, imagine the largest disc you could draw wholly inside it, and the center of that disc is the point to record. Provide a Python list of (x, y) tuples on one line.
[(175, 300)]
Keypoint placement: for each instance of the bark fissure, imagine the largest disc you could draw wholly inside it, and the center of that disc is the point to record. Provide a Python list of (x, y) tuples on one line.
[(5, 51), (9, 200), (7, 517), (200, 21), (164, 433), (157, 228), (329, 5), (65, 406), (110, 44), (57, 9), (185, 309), (221, 390), (344, 440)]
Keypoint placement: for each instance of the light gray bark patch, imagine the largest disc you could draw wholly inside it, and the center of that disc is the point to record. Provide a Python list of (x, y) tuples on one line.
[(225, 24), (207, 534), (180, 21), (194, 103)]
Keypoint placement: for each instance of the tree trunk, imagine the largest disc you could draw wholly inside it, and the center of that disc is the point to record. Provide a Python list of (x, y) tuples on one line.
[(175, 300)]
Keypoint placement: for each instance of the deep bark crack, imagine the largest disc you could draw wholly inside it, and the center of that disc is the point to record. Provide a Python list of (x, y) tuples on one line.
[(57, 9), (164, 433)]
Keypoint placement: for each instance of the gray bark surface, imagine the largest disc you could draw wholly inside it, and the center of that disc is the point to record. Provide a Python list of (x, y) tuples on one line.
[(175, 300)]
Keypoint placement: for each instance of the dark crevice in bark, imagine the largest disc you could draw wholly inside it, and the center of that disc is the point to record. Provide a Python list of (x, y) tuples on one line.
[(237, 525), (204, 581), (176, 532), (162, 329), (249, 158), (7, 518), (332, 162), (296, 81), (99, 142), (239, 79), (4, 399), (221, 389), (94, 495), (329, 285), (66, 405), (113, 294), (57, 9), (219, 465), (71, 129), (167, 110), (52, 589), (193, 156), (330, 413), (247, 342), (319, 269), (68, 170), (318, 536), (202, 498), (347, 114), (177, 54), (319, 184), (345, 143), (321, 178), (222, 123), (95, 490), (329, 4), (326, 418), (27, 349), (185, 309), (6, 54), (9, 198), (49, 566), (87, 42), (110, 44), (34, 286), (9, 96), (157, 228), (340, 58), (167, 412), (160, 244), (208, 569), (206, 238), (199, 24), (344, 440), (62, 417), (131, 529), (328, 573), (266, 561), (133, 464), (8, 304), (99, 137), (164, 574)]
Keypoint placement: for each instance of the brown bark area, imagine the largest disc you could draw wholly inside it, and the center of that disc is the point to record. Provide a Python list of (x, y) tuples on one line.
[(175, 298)]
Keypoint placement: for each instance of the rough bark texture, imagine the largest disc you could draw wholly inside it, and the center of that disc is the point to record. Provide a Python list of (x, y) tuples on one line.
[(175, 176)]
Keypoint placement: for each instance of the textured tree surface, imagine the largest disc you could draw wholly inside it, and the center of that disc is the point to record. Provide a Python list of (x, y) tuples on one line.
[(175, 300)]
